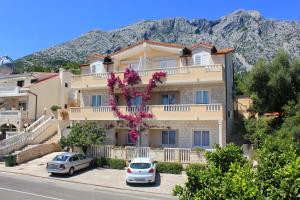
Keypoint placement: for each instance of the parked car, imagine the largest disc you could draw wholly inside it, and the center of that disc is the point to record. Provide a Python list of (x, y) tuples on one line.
[(68, 163), (141, 170)]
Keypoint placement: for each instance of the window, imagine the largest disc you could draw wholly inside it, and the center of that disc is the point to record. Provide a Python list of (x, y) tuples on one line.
[(93, 69), (168, 99), (167, 64), (134, 66), (201, 138), (22, 106), (136, 101), (168, 137), (66, 85), (73, 159), (20, 83), (96, 101), (201, 58), (81, 157), (129, 140), (202, 97)]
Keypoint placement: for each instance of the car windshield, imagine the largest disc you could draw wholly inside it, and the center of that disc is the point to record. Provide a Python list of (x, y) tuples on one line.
[(61, 158), (140, 165)]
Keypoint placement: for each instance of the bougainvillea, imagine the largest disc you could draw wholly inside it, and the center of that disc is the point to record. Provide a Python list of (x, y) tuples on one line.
[(128, 88)]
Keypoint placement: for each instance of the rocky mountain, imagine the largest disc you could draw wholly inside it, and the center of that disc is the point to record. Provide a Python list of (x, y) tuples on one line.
[(247, 31)]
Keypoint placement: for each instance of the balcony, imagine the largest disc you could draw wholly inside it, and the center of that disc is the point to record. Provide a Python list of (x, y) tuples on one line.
[(161, 112), (11, 91), (11, 114), (179, 75)]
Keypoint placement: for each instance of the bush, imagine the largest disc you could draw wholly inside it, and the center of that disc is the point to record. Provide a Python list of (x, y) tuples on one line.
[(196, 166), (224, 157), (54, 108), (168, 167), (100, 162), (115, 163)]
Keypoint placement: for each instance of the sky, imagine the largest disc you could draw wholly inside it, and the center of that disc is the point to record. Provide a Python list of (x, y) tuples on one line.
[(32, 25)]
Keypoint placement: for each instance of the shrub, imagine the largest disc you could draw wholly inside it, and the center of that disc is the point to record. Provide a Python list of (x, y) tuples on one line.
[(100, 162), (196, 166), (224, 157), (168, 167), (115, 163), (54, 108)]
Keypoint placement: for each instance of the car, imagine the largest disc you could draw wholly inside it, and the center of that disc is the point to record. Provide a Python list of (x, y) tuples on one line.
[(141, 170), (68, 163)]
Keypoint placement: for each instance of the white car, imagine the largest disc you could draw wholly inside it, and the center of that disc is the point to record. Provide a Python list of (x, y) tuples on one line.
[(141, 170)]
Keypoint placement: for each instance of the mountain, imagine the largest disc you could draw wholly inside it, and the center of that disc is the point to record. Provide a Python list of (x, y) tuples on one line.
[(247, 31)]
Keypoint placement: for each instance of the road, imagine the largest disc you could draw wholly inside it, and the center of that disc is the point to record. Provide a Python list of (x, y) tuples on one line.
[(22, 187)]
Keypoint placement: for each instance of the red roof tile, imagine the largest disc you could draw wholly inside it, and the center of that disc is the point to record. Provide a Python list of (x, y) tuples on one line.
[(224, 51), (201, 44)]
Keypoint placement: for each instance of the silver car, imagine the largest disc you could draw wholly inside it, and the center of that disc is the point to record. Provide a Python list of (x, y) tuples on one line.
[(68, 163)]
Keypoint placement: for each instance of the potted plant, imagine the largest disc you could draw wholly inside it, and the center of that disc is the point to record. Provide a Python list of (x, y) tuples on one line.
[(54, 109), (64, 114)]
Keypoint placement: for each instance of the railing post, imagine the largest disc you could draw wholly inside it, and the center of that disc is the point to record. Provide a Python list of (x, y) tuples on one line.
[(177, 156)]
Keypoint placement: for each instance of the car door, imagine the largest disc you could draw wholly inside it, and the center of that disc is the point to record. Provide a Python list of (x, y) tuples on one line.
[(83, 161), (75, 162)]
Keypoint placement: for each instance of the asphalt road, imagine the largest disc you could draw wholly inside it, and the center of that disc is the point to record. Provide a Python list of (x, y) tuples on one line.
[(21, 187)]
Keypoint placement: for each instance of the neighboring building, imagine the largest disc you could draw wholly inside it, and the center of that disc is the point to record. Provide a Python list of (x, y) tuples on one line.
[(242, 106), (193, 108), (26, 97)]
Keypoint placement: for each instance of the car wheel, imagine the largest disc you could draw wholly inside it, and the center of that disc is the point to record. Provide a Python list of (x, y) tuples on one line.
[(71, 171), (127, 183), (153, 183)]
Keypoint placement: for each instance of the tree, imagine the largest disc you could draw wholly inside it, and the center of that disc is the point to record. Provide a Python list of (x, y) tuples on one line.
[(84, 135), (273, 84), (128, 87)]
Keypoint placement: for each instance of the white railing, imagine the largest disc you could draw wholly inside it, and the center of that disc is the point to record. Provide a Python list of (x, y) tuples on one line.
[(213, 68), (213, 107), (10, 114), (9, 90), (177, 108), (137, 109), (33, 135), (133, 152), (102, 109), (177, 155)]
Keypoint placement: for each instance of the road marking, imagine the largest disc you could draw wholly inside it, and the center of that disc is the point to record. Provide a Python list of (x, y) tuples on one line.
[(31, 194)]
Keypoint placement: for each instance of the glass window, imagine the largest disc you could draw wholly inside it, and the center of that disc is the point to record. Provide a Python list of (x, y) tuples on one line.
[(136, 101), (74, 158), (140, 165), (201, 138), (129, 139), (60, 158), (202, 97), (168, 137), (167, 64), (93, 69), (81, 157), (96, 101), (201, 58), (168, 99)]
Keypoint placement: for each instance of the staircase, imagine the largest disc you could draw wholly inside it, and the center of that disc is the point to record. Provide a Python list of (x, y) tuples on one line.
[(38, 132)]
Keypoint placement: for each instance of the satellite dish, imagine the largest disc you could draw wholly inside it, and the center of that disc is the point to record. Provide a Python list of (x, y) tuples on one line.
[(6, 65)]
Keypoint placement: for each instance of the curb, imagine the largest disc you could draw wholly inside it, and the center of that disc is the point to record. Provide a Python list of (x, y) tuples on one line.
[(91, 184)]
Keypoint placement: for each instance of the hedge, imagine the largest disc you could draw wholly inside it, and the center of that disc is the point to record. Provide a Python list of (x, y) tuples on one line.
[(196, 166), (168, 167), (112, 163)]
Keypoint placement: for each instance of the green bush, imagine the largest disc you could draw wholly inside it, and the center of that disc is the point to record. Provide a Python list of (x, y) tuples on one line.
[(168, 167), (10, 160), (100, 162), (54, 108), (196, 166), (224, 157), (115, 163)]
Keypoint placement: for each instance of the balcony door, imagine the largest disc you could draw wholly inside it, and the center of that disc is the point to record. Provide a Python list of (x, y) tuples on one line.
[(168, 99), (96, 101), (202, 97)]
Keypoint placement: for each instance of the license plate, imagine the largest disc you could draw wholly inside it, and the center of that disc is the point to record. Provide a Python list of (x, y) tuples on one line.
[(140, 179)]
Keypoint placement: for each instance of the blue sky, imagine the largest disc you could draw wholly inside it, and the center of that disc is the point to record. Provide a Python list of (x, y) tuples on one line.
[(31, 25)]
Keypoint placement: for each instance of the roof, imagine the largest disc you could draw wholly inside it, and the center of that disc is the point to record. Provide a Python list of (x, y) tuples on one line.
[(164, 44), (141, 160), (41, 76), (224, 51), (201, 44), (95, 56), (172, 45)]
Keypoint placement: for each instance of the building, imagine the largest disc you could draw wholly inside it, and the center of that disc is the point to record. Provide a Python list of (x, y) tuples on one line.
[(24, 98), (193, 108)]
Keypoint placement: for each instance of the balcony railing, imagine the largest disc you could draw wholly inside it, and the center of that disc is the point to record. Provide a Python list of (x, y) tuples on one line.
[(10, 114), (161, 112), (11, 91), (178, 75)]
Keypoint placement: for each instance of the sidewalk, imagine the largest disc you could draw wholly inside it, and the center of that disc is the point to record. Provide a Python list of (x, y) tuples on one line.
[(101, 177)]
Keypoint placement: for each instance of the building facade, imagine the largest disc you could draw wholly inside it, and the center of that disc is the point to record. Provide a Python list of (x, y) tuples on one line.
[(192, 108), (26, 97)]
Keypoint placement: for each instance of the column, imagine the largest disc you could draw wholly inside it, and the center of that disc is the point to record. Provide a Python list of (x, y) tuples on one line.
[(220, 123)]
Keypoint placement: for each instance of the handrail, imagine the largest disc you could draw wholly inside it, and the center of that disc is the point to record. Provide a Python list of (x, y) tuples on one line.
[(35, 124)]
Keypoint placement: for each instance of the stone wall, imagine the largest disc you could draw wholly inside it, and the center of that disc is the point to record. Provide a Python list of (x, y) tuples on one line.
[(36, 152)]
